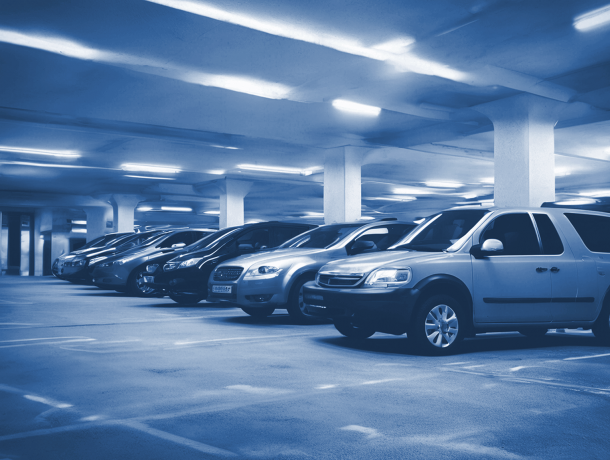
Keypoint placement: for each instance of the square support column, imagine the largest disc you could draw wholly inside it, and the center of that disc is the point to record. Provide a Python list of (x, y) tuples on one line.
[(524, 149), (232, 193), (96, 221), (123, 211), (342, 184)]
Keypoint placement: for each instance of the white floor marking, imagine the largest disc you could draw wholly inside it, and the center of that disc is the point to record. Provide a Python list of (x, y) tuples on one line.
[(472, 367), (44, 338), (258, 390), (325, 387), (178, 439), (587, 357), (46, 343), (369, 432), (20, 324), (374, 382), (239, 338), (456, 364), (393, 364), (518, 368), (91, 418), (48, 402)]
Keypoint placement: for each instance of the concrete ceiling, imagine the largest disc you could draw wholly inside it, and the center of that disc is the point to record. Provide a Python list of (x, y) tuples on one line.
[(176, 82)]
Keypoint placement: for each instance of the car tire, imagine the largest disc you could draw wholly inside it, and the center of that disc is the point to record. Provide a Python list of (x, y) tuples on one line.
[(345, 327), (534, 333), (296, 306), (135, 285), (259, 312), (186, 299), (601, 328), (439, 325)]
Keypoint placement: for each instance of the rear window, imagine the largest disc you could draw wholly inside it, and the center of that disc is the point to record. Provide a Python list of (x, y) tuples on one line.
[(551, 243), (593, 230)]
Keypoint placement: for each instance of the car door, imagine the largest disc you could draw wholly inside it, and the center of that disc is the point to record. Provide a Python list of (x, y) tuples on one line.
[(515, 285)]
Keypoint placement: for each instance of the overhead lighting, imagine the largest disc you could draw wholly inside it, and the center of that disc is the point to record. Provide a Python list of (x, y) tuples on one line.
[(469, 196), (440, 184), (217, 172), (176, 209), (79, 230), (149, 168), (354, 107), (275, 169), (253, 221), (386, 198), (150, 177), (47, 165), (396, 46), (593, 19), (79, 222), (596, 193), (51, 44), (412, 191), (366, 218), (144, 208), (215, 213), (55, 153), (561, 172), (576, 202), (487, 180)]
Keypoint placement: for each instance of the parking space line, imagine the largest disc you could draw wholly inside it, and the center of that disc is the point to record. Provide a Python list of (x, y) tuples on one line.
[(44, 338), (241, 338), (46, 343), (587, 357), (48, 402)]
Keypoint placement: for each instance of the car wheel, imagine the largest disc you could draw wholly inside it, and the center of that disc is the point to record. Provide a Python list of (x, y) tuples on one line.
[(136, 286), (439, 325), (185, 298), (296, 304), (345, 327), (533, 333), (259, 312), (601, 328)]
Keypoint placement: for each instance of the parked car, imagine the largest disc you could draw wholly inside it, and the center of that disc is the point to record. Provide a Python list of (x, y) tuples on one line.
[(124, 272), (184, 278), (80, 267), (261, 283), (465, 271), (92, 246)]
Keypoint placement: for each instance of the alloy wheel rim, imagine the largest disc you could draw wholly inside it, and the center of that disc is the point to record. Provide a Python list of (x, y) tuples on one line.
[(441, 326), (301, 301), (141, 286)]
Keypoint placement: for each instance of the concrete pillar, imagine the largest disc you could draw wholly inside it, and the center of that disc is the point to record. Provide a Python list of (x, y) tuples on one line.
[(43, 223), (60, 236), (96, 221), (342, 185), (123, 207), (232, 193), (524, 149)]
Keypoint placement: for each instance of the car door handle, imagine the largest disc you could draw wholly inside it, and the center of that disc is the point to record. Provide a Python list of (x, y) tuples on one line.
[(554, 269), (541, 269)]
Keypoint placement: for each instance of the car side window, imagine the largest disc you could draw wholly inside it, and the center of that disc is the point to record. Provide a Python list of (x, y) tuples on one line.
[(182, 237), (384, 237), (593, 230), (516, 232), (283, 234), (551, 242), (254, 240)]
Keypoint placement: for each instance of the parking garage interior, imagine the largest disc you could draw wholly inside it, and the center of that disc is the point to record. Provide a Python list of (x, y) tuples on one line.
[(137, 115)]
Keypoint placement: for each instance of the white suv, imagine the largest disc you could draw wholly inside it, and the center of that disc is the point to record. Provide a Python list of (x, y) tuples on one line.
[(470, 270)]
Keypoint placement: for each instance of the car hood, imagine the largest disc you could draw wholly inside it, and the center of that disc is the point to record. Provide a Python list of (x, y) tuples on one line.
[(273, 256), (367, 262)]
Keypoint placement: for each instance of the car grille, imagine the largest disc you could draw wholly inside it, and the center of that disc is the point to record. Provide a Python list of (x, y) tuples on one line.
[(331, 280), (227, 273)]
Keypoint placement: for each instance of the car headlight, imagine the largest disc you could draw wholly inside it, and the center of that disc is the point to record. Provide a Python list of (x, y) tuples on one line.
[(389, 277), (263, 272), (189, 262), (79, 263), (97, 259)]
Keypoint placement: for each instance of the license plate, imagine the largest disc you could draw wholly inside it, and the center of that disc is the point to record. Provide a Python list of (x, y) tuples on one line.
[(221, 289), (149, 279)]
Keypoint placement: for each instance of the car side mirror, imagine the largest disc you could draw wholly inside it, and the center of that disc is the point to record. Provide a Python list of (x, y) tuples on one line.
[(178, 245), (361, 246), (489, 247), (245, 248)]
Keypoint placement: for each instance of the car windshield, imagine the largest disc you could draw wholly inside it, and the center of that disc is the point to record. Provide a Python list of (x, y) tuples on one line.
[(321, 237), (440, 231), (210, 240), (138, 239)]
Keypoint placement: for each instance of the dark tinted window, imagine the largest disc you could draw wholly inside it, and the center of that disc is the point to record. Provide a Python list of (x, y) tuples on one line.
[(322, 237), (516, 232), (182, 237), (593, 230), (257, 238), (283, 234), (385, 236), (212, 239), (551, 243)]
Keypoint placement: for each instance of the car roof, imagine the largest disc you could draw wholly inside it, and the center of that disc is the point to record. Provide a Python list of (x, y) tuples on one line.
[(549, 210)]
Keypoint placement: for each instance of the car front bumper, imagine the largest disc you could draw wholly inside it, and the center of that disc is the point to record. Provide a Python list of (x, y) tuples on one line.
[(270, 292)]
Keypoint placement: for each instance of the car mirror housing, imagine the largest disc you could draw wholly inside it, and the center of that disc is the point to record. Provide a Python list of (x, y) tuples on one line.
[(489, 247), (360, 246)]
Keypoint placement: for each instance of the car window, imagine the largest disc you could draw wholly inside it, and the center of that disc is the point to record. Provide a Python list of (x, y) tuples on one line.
[(181, 237), (441, 231), (516, 232), (282, 234), (255, 239), (321, 237), (385, 236), (551, 242), (212, 239), (593, 230)]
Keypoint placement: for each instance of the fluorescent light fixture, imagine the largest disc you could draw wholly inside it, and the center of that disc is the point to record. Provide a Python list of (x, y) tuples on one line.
[(366, 218), (419, 221), (276, 169), (144, 208), (396, 46), (354, 107), (79, 222), (79, 230), (441, 184), (387, 198), (593, 19), (51, 44), (577, 202), (217, 172), (176, 209), (469, 196), (150, 177), (46, 165), (149, 168), (215, 213), (412, 191), (55, 153), (488, 180), (596, 193)]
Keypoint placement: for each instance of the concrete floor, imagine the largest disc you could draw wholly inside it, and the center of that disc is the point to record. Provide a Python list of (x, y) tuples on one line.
[(91, 374)]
